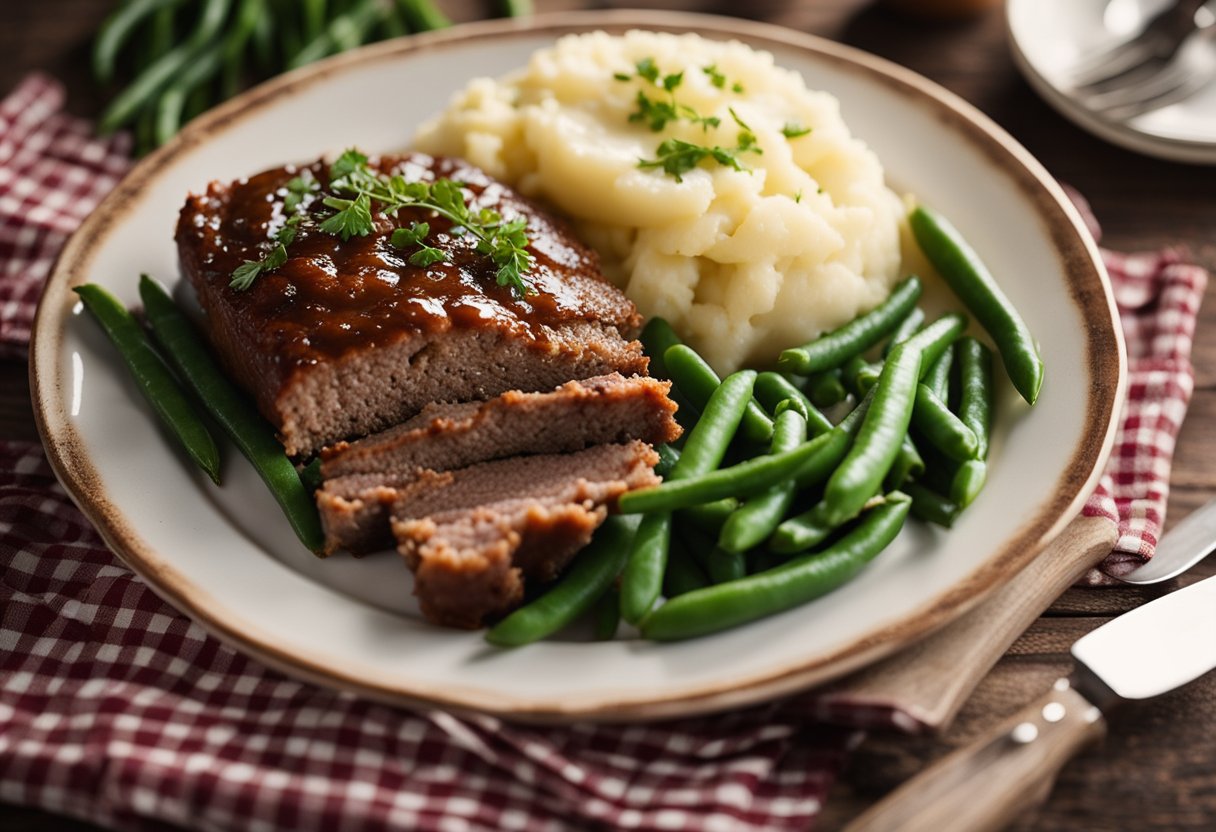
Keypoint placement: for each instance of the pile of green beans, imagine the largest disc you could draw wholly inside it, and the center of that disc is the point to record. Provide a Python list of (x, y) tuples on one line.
[(771, 503), (179, 377), (169, 60)]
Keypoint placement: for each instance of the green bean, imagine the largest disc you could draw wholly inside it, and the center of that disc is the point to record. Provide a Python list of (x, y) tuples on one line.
[(932, 507), (683, 573), (967, 482), (231, 410), (906, 329), (263, 41), (697, 380), (393, 25), (908, 465), (868, 461), (155, 381), (936, 338), (710, 438), (975, 390), (517, 8), (645, 563), (657, 337), (127, 104), (160, 33), (607, 614), (723, 566), (937, 377), (825, 389), (941, 428), (975, 286), (773, 388), (422, 15), (805, 578), (173, 100), (886, 423), (858, 375), (246, 22), (709, 517), (115, 31), (831, 350), (314, 14), (574, 593), (755, 521), (668, 457), (742, 480), (343, 32), (310, 475)]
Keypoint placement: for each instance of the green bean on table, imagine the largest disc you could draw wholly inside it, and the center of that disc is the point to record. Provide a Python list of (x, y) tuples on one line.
[(937, 377), (831, 350), (726, 605), (232, 411), (155, 382), (154, 78), (574, 593), (975, 286)]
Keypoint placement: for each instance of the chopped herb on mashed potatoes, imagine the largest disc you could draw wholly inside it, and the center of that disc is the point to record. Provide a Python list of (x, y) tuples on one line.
[(795, 236)]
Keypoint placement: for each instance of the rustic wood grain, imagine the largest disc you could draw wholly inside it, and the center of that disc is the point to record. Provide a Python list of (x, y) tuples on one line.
[(1155, 768)]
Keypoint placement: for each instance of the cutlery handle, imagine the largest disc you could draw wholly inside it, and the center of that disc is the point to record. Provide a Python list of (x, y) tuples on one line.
[(931, 679), (987, 784)]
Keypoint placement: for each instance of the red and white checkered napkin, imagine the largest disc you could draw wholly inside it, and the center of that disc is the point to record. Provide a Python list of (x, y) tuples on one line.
[(116, 708)]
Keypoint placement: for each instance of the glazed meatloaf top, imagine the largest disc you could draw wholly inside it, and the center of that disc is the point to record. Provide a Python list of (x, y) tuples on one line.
[(334, 302)]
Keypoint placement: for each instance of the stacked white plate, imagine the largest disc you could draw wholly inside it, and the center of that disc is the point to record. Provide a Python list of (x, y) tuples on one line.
[(1049, 38)]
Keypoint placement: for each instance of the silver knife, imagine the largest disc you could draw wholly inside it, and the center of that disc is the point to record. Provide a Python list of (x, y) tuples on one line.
[(1143, 653)]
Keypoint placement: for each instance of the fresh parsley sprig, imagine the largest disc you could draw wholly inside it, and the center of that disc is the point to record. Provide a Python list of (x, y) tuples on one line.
[(677, 157), (356, 190)]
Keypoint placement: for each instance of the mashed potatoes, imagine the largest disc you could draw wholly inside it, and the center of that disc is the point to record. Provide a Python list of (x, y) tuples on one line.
[(742, 262)]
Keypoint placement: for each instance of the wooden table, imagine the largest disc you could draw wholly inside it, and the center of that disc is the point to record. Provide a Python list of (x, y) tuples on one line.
[(1157, 768)]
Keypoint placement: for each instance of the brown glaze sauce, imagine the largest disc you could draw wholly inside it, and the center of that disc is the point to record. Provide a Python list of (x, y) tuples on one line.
[(334, 296)]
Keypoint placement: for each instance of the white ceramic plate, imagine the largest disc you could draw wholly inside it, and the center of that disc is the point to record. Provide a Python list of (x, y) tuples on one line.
[(227, 558), (1049, 37)]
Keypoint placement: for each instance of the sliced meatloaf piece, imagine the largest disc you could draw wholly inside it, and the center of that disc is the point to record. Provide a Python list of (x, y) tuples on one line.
[(346, 337), (473, 542), (578, 414)]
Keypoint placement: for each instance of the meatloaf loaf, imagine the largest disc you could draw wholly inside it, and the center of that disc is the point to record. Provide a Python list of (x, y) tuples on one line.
[(347, 337), (362, 478)]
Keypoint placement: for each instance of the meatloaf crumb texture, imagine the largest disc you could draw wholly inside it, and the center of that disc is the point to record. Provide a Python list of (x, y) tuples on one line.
[(473, 543), (347, 338), (577, 414)]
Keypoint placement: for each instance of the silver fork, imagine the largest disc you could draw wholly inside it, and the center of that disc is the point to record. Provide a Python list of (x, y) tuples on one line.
[(1158, 40), (1192, 68)]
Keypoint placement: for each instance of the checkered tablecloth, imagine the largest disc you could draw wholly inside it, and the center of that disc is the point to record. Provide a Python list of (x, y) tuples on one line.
[(116, 708)]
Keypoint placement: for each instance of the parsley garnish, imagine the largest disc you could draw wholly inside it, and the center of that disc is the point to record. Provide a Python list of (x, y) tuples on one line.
[(355, 189), (656, 113), (793, 130), (719, 80), (677, 157)]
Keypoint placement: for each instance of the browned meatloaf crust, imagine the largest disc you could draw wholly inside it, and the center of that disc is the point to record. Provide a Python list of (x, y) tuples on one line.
[(347, 338), (473, 543)]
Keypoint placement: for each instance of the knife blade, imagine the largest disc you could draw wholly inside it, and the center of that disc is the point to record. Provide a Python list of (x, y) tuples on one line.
[(1143, 653)]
